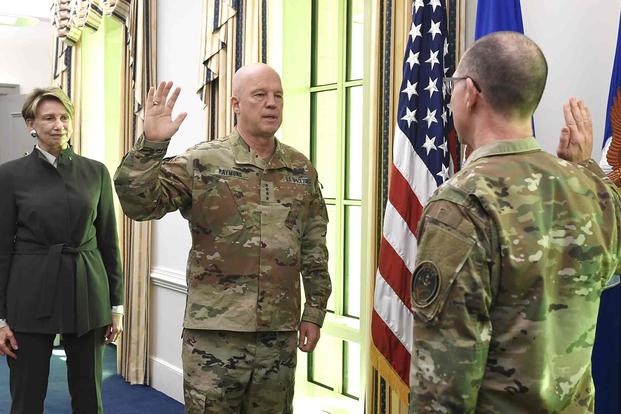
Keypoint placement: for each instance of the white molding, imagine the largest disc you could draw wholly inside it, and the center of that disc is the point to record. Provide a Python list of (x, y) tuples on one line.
[(166, 378), (169, 279)]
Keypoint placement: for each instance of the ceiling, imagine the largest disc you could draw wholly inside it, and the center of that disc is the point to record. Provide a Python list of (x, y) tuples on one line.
[(36, 8)]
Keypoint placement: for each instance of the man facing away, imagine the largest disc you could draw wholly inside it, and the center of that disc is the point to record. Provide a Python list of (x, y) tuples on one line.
[(258, 220), (514, 251)]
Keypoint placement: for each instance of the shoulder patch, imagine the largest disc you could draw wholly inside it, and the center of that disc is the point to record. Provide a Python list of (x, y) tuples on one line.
[(425, 284)]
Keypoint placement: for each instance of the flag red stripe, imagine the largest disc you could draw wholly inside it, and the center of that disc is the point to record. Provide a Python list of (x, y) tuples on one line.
[(404, 200), (394, 272), (390, 346)]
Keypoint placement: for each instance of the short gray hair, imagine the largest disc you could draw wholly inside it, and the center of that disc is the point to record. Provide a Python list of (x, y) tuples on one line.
[(511, 71)]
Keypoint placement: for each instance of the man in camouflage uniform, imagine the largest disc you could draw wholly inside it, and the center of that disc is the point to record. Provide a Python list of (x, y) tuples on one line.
[(514, 250), (257, 219)]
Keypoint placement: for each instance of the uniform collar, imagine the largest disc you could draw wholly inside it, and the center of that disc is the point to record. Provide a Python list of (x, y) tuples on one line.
[(513, 146), (245, 155)]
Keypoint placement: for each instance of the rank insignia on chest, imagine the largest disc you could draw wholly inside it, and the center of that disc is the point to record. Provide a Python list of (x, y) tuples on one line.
[(425, 284), (267, 191)]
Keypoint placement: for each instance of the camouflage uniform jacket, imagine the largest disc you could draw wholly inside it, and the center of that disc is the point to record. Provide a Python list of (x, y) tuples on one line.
[(255, 226), (514, 253)]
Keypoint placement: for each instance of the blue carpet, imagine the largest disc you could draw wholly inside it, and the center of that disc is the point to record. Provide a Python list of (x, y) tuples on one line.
[(118, 396)]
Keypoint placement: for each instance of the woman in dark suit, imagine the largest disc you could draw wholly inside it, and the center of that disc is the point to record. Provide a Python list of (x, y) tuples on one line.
[(60, 266)]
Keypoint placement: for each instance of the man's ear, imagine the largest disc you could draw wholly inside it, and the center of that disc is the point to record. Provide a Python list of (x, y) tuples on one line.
[(235, 104), (472, 94)]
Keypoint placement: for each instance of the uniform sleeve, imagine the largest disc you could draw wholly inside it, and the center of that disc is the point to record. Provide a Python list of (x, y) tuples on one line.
[(592, 166), (7, 233), (451, 298), (615, 194), (149, 186), (108, 241), (314, 266)]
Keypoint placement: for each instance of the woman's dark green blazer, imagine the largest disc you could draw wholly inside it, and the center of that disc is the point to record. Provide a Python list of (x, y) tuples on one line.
[(60, 269)]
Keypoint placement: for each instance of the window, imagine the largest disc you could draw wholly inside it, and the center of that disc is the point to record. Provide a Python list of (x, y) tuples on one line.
[(323, 117)]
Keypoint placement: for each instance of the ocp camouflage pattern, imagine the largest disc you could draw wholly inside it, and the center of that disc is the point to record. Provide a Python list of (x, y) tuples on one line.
[(238, 372), (524, 244), (255, 225)]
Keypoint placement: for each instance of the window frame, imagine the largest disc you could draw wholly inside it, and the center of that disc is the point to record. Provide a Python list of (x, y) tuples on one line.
[(298, 130)]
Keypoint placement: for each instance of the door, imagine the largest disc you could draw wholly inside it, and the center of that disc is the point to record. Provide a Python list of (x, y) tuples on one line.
[(15, 141)]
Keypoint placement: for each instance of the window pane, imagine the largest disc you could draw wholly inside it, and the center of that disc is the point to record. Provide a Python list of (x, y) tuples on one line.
[(332, 252), (354, 143), (351, 383), (355, 38), (325, 141), (325, 41), (353, 257), (325, 362)]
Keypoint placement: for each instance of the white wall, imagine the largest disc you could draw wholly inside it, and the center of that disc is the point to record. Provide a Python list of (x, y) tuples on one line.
[(178, 49), (578, 39), (580, 48), (25, 55)]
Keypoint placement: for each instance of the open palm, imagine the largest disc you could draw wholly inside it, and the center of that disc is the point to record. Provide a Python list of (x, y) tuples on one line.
[(576, 138), (158, 122)]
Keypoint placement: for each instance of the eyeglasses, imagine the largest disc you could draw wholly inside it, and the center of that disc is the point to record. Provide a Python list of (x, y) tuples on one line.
[(449, 83)]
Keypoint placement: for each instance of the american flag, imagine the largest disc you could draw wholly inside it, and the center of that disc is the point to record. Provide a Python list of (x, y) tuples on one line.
[(421, 162)]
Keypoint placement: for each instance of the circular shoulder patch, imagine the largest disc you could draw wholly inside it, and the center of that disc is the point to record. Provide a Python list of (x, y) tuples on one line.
[(425, 284)]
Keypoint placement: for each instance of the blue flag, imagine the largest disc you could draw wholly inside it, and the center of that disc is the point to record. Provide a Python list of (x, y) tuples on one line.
[(498, 15), (606, 358)]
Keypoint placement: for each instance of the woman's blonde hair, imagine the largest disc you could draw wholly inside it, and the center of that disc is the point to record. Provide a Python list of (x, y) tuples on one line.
[(29, 110)]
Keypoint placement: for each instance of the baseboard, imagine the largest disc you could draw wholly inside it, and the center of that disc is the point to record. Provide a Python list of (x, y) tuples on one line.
[(167, 378)]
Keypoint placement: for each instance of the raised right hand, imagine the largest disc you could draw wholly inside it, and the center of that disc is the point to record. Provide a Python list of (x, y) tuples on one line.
[(8, 343), (576, 138), (158, 123)]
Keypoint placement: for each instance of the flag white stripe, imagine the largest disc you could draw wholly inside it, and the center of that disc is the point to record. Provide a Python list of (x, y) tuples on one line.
[(398, 235), (394, 312), (412, 168)]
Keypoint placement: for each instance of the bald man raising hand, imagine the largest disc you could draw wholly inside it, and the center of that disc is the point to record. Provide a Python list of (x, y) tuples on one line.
[(258, 220)]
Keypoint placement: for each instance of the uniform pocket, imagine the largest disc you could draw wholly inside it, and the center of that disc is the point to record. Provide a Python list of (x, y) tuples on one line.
[(442, 254), (214, 207), (281, 233)]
